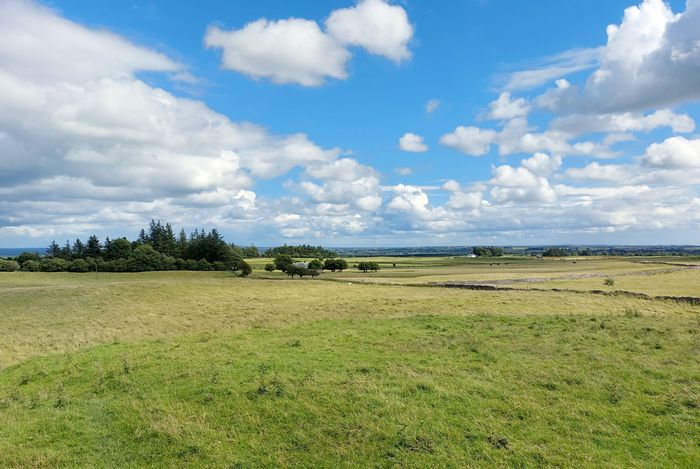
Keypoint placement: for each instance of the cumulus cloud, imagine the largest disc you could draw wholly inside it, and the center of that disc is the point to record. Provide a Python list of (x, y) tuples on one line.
[(517, 136), (542, 164), (86, 144), (465, 200), (297, 50), (344, 181), (520, 185), (470, 140), (673, 153), (375, 25), (602, 172), (409, 199), (412, 143), (652, 59), (79, 131), (286, 51), (507, 108), (450, 185)]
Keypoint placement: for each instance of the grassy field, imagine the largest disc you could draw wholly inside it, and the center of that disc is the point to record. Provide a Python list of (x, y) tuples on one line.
[(674, 276), (202, 369)]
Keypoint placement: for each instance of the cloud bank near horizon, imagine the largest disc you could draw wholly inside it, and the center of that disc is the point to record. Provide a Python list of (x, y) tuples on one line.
[(89, 145)]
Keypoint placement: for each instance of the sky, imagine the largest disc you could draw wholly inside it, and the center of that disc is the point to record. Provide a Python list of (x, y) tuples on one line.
[(352, 123)]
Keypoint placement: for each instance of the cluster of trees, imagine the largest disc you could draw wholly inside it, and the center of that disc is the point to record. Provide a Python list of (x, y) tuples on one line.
[(155, 249), (334, 264), (555, 252), (563, 252), (303, 250), (487, 251), (291, 267), (366, 266)]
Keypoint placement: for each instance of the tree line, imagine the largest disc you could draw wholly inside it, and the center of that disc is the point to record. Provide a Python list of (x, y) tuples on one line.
[(156, 248), (487, 251), (288, 265), (302, 250)]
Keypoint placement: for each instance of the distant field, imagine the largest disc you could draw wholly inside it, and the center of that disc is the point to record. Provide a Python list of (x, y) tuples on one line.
[(653, 276), (203, 369), (673, 283)]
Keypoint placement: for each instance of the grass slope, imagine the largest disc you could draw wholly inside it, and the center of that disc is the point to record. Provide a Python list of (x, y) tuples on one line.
[(205, 370), (417, 391)]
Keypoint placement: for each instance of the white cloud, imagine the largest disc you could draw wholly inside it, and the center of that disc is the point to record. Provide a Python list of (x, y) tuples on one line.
[(578, 124), (78, 131), (409, 199), (68, 51), (470, 140), (505, 108), (375, 25), (517, 136), (286, 51), (602, 172), (344, 181), (450, 185), (553, 67), (296, 50), (431, 105), (519, 185), (465, 200), (674, 152), (542, 164), (651, 59), (85, 145), (412, 143)]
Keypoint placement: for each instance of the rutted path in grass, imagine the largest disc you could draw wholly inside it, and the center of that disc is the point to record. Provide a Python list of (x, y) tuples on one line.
[(579, 276)]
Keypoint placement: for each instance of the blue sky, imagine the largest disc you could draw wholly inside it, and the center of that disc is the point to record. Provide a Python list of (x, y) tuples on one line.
[(352, 123)]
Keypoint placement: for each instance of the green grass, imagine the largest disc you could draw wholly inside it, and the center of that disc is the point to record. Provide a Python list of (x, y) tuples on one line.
[(181, 369), (672, 283), (649, 275)]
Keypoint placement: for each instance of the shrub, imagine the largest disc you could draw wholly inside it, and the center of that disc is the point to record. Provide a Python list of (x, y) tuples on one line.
[(116, 265), (8, 265), (283, 262), (245, 269), (335, 264), (31, 266), (218, 265), (53, 264), (294, 270), (27, 256), (269, 267), (78, 265), (144, 259), (204, 265), (368, 266), (609, 282)]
